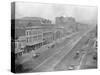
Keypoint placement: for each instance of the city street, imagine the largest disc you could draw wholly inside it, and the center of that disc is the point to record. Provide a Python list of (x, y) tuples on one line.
[(53, 37), (58, 58), (50, 63)]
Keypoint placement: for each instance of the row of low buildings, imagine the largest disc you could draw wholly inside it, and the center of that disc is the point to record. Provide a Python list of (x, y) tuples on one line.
[(37, 34), (39, 31)]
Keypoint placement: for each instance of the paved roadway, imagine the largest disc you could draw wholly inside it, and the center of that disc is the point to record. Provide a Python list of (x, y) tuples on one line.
[(67, 51), (50, 63), (77, 62), (87, 62), (49, 59), (47, 52), (29, 62)]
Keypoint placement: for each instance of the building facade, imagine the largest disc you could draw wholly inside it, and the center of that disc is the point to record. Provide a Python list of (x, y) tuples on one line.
[(37, 36)]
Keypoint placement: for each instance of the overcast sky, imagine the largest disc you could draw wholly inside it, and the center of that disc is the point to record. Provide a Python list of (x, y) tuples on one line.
[(50, 11)]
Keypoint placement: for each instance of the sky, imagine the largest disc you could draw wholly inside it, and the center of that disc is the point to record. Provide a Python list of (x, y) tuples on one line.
[(86, 14)]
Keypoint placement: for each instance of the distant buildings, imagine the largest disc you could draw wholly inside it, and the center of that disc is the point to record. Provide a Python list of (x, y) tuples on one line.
[(68, 22), (64, 20), (37, 33)]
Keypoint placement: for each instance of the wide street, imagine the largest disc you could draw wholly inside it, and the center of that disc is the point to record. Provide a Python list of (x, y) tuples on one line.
[(58, 58)]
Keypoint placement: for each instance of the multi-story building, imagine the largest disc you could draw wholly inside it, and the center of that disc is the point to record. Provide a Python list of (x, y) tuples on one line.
[(42, 33), (38, 35), (20, 43), (68, 22)]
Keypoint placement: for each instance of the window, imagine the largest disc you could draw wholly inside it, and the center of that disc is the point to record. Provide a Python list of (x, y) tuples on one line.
[(27, 39), (30, 39), (30, 32), (27, 33)]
